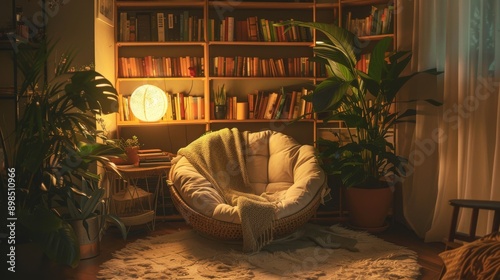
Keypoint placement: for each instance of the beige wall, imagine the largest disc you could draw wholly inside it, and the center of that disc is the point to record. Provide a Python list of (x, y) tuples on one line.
[(71, 25), (105, 60)]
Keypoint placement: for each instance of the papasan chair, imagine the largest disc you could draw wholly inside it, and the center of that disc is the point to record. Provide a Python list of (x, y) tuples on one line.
[(227, 182)]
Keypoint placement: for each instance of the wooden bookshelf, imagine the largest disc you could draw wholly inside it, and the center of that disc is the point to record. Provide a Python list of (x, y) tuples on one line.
[(217, 53)]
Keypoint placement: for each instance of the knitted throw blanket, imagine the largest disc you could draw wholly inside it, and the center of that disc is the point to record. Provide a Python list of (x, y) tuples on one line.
[(220, 157)]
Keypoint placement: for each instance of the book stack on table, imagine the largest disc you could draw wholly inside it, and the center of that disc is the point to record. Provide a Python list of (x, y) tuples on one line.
[(154, 157)]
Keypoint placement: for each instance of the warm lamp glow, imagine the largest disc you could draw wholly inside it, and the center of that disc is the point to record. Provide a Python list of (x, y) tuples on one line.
[(148, 103)]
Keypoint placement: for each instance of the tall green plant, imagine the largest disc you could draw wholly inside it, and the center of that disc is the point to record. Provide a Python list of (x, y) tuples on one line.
[(364, 102), (56, 148)]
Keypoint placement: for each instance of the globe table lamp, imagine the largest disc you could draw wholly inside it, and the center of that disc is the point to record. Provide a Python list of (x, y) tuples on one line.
[(148, 103)]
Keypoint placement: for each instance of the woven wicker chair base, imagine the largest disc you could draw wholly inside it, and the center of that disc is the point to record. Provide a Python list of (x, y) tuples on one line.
[(231, 232)]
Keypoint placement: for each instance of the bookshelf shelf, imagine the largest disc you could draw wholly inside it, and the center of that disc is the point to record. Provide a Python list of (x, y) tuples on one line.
[(159, 79), (260, 5), (362, 2), (160, 4), (375, 37), (327, 5), (159, 44), (259, 43), (260, 121), (215, 78), (161, 123)]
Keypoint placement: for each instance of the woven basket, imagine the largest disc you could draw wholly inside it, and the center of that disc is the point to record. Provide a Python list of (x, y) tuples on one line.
[(232, 232)]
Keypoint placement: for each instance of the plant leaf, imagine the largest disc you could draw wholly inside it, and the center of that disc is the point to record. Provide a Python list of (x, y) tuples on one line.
[(328, 94), (377, 59)]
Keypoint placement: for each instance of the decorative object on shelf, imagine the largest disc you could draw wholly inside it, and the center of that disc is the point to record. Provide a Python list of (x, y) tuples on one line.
[(148, 103), (365, 103), (220, 106), (242, 110)]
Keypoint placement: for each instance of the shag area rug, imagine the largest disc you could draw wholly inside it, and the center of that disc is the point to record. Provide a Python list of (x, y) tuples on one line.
[(314, 252)]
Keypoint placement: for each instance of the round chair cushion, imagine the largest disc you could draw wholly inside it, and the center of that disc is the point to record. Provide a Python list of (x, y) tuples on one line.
[(277, 166)]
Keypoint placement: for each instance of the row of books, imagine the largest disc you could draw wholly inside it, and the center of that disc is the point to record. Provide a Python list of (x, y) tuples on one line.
[(152, 157), (180, 107), (378, 22), (240, 66), (149, 66), (363, 62), (167, 26), (270, 105), (261, 105), (255, 29), (160, 26), (279, 105)]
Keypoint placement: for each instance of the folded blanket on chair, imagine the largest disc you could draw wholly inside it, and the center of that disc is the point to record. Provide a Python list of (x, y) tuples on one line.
[(220, 157)]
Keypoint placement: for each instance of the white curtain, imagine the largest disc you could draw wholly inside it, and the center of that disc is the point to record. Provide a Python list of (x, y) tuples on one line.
[(454, 150)]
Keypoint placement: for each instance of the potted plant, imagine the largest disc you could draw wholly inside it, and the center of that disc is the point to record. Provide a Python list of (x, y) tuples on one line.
[(87, 212), (129, 146), (55, 150), (220, 107), (364, 102)]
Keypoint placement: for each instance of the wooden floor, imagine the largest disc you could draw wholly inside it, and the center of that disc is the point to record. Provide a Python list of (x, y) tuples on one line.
[(112, 241)]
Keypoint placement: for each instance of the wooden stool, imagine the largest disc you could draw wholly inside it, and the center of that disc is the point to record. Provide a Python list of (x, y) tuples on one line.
[(475, 205)]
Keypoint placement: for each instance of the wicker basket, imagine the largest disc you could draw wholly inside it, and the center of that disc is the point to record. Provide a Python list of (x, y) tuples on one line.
[(232, 232)]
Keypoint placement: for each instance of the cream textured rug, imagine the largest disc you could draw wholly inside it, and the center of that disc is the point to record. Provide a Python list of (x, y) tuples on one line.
[(312, 253)]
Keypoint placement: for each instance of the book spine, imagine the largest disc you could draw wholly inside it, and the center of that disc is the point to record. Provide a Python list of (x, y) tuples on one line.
[(154, 27), (132, 27), (160, 17), (143, 27), (230, 29)]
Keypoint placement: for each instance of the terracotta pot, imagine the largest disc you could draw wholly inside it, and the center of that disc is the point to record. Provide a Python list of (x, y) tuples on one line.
[(132, 155), (368, 208)]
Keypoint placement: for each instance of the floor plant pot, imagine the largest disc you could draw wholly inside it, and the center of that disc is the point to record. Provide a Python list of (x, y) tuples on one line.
[(89, 241), (368, 208), (220, 112)]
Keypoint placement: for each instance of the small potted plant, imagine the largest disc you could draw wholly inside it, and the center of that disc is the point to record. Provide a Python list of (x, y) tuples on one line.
[(130, 146), (220, 107)]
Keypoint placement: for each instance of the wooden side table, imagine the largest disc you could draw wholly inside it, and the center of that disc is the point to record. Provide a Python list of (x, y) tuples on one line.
[(133, 192)]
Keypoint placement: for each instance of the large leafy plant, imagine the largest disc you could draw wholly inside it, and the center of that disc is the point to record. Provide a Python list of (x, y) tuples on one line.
[(55, 149), (364, 102)]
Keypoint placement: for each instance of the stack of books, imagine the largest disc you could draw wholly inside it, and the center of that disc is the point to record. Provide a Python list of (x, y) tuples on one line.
[(154, 157)]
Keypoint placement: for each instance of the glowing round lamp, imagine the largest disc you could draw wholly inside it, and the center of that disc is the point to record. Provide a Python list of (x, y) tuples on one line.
[(148, 103)]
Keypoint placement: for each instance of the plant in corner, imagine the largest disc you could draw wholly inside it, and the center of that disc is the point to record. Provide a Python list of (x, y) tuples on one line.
[(55, 152), (364, 102)]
